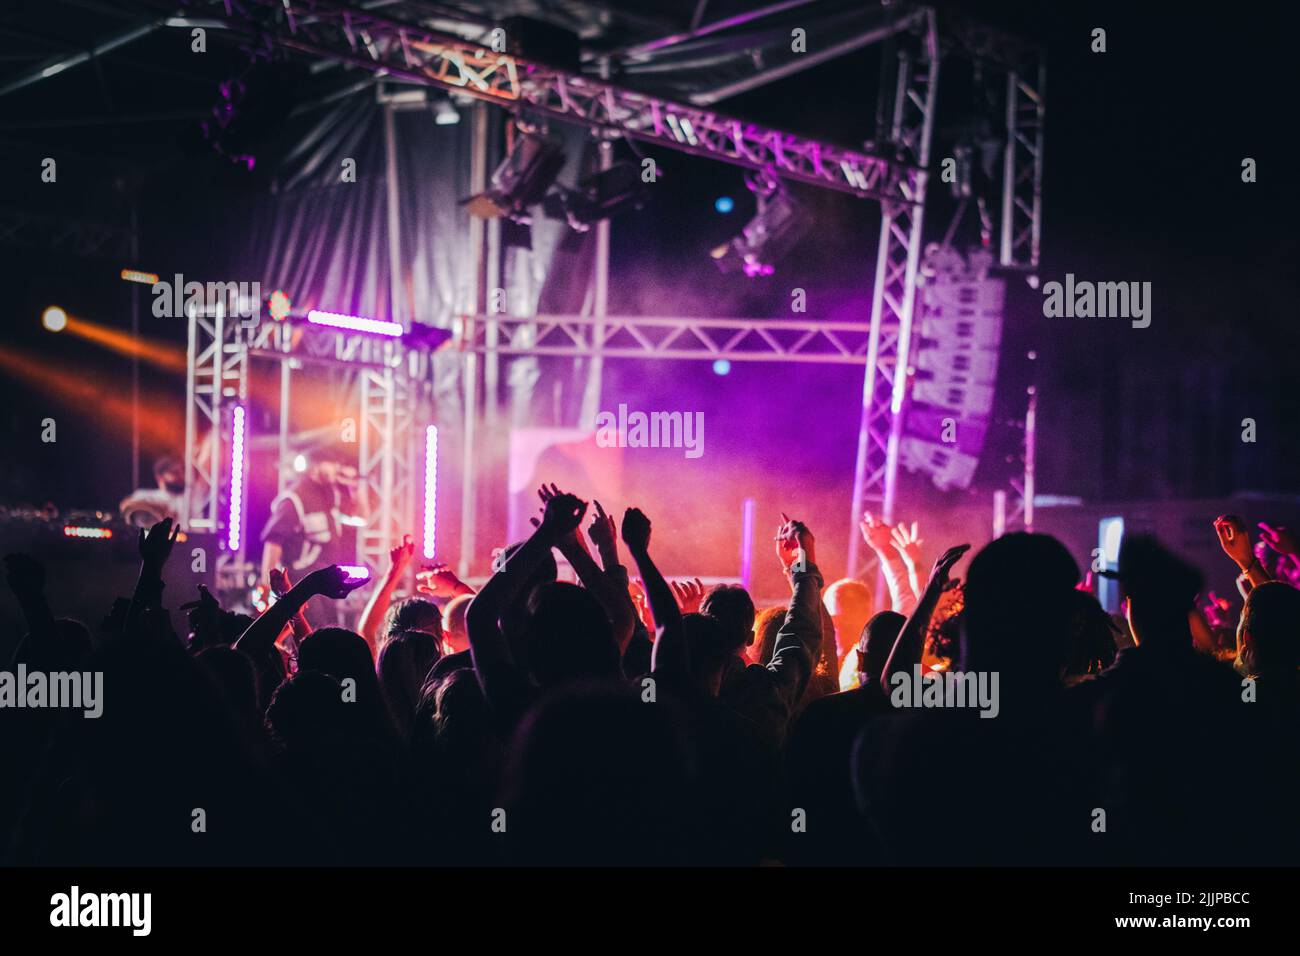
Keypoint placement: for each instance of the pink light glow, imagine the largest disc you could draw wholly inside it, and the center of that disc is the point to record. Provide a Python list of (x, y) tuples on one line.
[(234, 528), (430, 490)]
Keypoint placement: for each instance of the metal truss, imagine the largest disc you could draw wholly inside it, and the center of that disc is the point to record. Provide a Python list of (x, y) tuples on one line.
[(389, 378), (407, 51), (1025, 67), (216, 379), (884, 389), (658, 337), (1022, 170), (388, 469), (895, 176), (327, 346)]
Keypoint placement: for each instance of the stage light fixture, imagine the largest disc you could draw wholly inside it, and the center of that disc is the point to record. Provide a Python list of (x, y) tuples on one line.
[(600, 196), (721, 366), (355, 323), (724, 204), (134, 275), (445, 112), (300, 463), (279, 305), (430, 490), (235, 516), (778, 224), (54, 319), (520, 181), (86, 531)]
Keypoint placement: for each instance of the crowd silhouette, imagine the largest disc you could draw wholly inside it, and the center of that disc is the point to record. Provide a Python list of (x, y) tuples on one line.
[(629, 720)]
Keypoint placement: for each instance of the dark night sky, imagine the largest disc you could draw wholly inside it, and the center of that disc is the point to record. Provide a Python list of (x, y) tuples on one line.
[(1142, 182)]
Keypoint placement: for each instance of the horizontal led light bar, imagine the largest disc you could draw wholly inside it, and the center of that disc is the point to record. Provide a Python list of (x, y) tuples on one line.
[(86, 531), (354, 323), (144, 278)]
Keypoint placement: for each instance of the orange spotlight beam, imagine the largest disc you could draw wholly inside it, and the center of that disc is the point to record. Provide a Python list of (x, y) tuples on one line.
[(167, 357), (160, 417)]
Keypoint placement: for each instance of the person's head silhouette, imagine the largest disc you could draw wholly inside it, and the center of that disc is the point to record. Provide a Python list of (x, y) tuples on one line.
[(1017, 610), (1161, 589)]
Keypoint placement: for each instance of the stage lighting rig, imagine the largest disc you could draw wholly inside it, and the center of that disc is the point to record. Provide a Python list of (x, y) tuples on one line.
[(520, 181), (778, 224), (600, 196)]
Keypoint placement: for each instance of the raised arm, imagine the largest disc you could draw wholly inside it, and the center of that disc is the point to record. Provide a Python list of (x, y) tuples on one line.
[(797, 647), (494, 665), (155, 548), (907, 543), (880, 538), (372, 617), (440, 581), (1235, 541), (910, 642), (331, 582), (1283, 541), (670, 658), (608, 586), (299, 626)]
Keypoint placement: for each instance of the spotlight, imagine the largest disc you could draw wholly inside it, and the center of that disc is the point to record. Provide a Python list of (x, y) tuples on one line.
[(279, 305), (54, 319), (300, 463), (721, 366), (724, 204), (778, 224), (601, 196), (520, 181), (444, 112)]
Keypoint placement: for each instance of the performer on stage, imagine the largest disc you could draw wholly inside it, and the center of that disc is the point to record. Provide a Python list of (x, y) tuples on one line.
[(307, 527), (144, 507)]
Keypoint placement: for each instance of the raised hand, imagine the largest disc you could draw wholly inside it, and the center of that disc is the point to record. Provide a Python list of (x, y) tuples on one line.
[(636, 530), (878, 534), (439, 581), (332, 582), (604, 535), (156, 545), (793, 539), (907, 542), (1234, 539), (204, 615), (939, 576), (689, 594), (1279, 539), (278, 579), (562, 514), (400, 556)]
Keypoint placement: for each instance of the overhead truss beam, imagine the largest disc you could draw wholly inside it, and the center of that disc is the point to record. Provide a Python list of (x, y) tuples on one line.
[(408, 51), (663, 337)]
